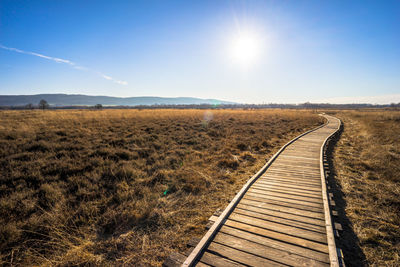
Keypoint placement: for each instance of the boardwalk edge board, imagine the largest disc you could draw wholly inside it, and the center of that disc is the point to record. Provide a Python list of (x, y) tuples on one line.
[(337, 227), (333, 251), (217, 220)]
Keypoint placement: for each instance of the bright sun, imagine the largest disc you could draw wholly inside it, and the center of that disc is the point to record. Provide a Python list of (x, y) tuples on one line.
[(246, 49)]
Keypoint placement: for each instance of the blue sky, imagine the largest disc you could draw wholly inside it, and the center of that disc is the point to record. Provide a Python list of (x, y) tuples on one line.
[(330, 51)]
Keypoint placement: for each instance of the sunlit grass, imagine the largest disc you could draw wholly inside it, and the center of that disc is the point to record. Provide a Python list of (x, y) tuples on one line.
[(367, 160), (125, 186)]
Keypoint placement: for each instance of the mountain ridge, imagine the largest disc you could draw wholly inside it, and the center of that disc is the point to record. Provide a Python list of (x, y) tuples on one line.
[(90, 100)]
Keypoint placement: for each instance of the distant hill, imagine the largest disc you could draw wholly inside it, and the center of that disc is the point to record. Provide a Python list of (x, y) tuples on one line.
[(87, 100)]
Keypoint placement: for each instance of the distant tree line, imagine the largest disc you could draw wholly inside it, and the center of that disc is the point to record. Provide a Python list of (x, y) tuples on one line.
[(44, 105)]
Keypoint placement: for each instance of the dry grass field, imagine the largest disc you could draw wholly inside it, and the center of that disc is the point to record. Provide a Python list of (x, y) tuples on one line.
[(367, 163), (114, 187)]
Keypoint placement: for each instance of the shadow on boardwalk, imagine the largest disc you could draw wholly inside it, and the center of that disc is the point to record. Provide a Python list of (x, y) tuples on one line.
[(348, 241)]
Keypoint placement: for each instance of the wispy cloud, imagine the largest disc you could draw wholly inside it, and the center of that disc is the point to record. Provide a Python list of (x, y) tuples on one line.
[(65, 61)]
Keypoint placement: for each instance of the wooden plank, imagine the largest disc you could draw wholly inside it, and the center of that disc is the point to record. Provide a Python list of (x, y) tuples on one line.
[(299, 148), (284, 182), (277, 227), (284, 190), (284, 215), (298, 157), (291, 174), (284, 209), (278, 214), (306, 205), (216, 260), (277, 186), (273, 254), (290, 186), (240, 256), (276, 244), (306, 180), (300, 224), (282, 237), (310, 181), (296, 166), (300, 167), (310, 147), (302, 208), (299, 164), (295, 160), (292, 171), (286, 196), (303, 153)]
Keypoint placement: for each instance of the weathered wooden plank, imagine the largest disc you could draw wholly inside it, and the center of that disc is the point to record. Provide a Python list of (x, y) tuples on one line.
[(292, 186), (300, 153), (301, 208), (216, 260), (240, 256), (281, 214), (287, 174), (291, 210), (297, 250), (280, 228), (289, 182), (312, 181), (298, 157), (273, 254), (277, 206), (278, 187), (292, 166), (305, 181), (286, 196), (278, 214), (292, 171), (306, 205), (284, 190), (296, 164), (290, 174), (278, 236), (300, 224)]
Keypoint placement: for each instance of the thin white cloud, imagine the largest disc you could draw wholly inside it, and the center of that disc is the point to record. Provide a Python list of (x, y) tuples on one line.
[(65, 61), (107, 77), (122, 82)]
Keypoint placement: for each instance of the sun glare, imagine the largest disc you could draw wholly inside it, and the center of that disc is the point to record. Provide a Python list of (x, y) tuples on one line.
[(246, 49)]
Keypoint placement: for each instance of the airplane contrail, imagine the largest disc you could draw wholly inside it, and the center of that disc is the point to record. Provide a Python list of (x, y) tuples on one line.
[(65, 61)]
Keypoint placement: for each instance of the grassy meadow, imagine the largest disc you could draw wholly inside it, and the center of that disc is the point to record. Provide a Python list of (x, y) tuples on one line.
[(367, 163), (114, 187)]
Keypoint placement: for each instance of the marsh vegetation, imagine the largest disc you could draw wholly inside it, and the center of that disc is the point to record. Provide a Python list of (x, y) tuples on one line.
[(111, 187), (367, 162)]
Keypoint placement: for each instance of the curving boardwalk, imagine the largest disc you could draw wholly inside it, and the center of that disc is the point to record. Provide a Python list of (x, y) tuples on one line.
[(281, 217)]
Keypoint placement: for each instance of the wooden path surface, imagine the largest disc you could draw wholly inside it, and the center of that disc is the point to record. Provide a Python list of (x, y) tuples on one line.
[(281, 217)]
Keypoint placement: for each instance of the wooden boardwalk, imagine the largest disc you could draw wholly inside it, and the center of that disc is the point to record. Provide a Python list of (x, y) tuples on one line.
[(281, 217)]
